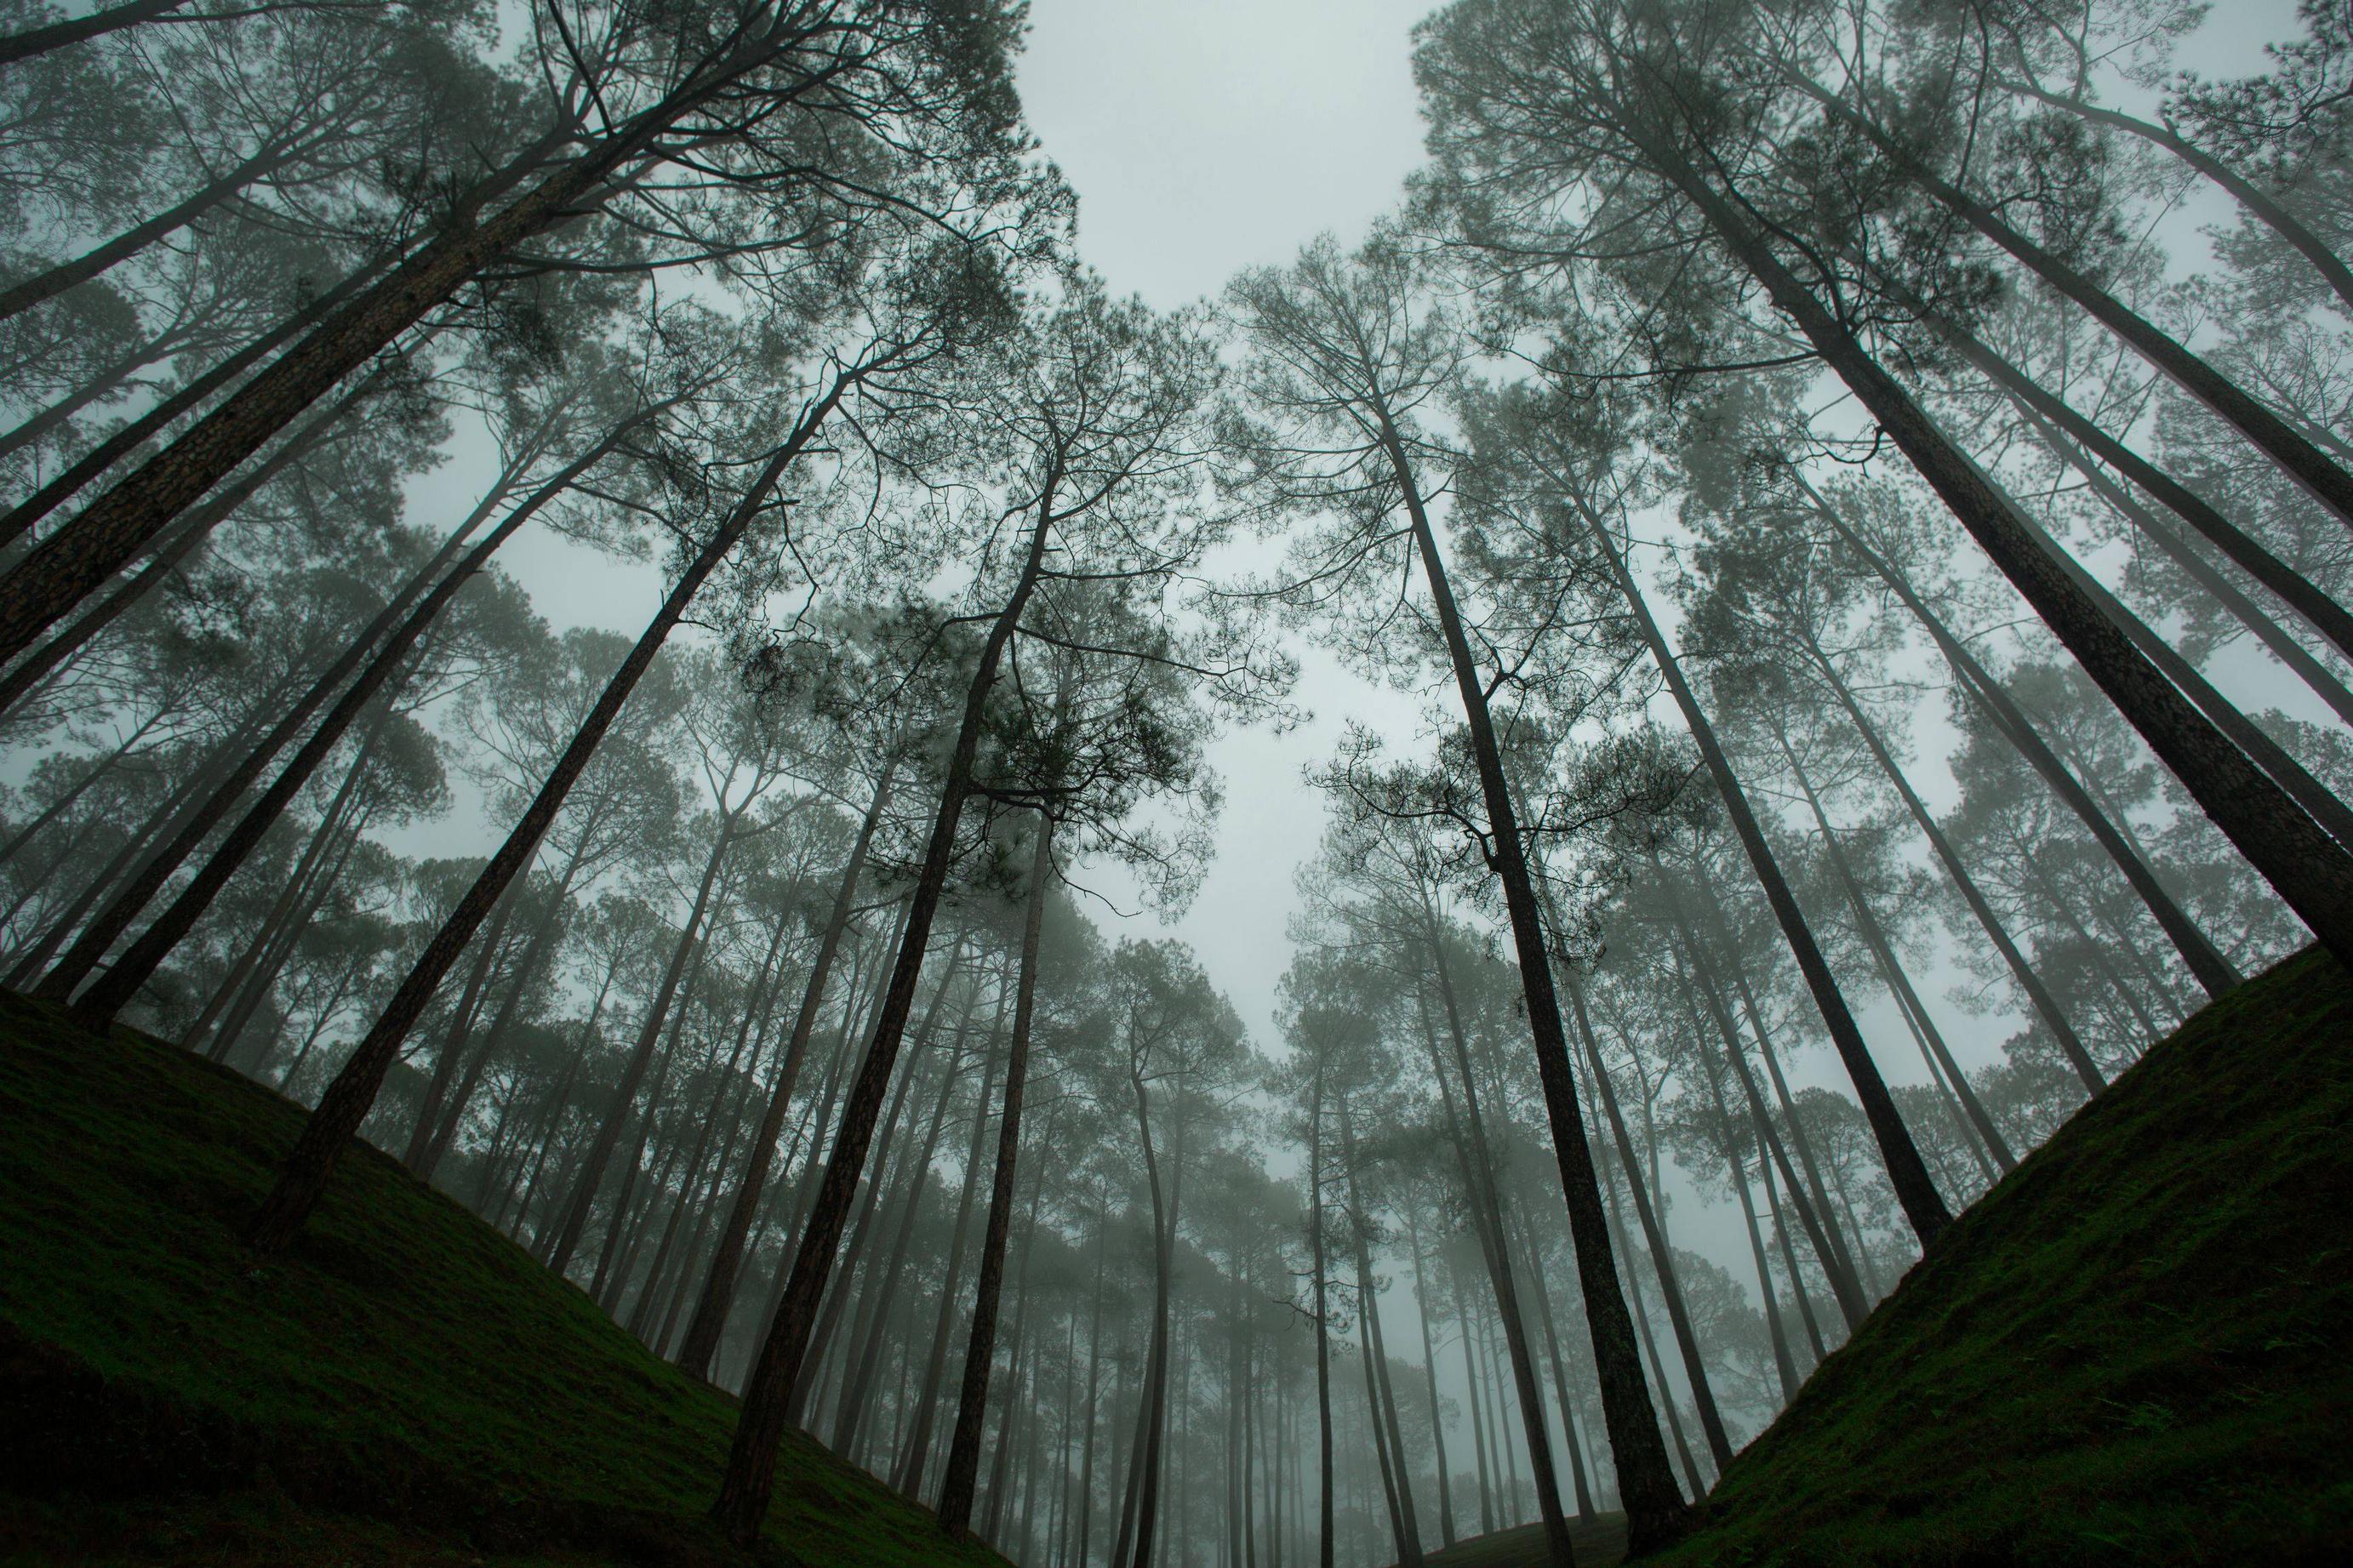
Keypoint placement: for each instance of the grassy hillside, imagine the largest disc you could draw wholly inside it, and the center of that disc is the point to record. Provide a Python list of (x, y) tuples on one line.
[(406, 1387), (2137, 1349)]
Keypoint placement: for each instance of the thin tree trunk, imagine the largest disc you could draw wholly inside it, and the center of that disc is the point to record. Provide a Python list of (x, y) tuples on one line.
[(2198, 954), (650, 1033), (915, 1454), (718, 1297), (1711, 1420), (2046, 1005), (71, 561), (1383, 1405), (107, 995), (1653, 1503), (91, 464), (1906, 1170), (743, 1501), (2310, 870), (349, 1097), (2327, 483), (1429, 1370), (1477, 1157), (35, 41), (972, 1398), (22, 296), (2249, 195)]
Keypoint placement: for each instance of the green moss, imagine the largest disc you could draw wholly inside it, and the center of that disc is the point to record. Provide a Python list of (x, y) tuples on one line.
[(2138, 1348), (406, 1385)]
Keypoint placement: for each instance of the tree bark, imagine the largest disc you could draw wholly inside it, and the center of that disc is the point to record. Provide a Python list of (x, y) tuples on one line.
[(718, 1295), (2326, 483), (2198, 954), (107, 995), (1711, 1419), (2046, 1005), (76, 559), (35, 41)]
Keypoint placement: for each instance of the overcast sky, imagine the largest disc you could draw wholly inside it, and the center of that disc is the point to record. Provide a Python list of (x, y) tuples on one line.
[(1204, 136)]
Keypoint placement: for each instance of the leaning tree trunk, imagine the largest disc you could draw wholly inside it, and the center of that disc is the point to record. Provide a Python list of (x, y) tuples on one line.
[(1382, 1400), (744, 1491), (1711, 1420), (1477, 1159), (2296, 590), (2302, 461), (22, 296), (1646, 1481), (35, 41), (1875, 937), (352, 1093), (2266, 628), (2046, 1005), (2198, 954), (686, 950), (76, 559), (2248, 194), (38, 664), (123, 980), (956, 1484), (718, 1297), (1908, 1174), (20, 518), (2310, 870)]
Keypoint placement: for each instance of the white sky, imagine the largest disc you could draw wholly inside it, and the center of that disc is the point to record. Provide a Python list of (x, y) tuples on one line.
[(1204, 136)]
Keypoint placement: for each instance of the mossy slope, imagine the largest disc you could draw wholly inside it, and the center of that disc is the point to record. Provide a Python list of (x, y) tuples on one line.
[(406, 1385), (2138, 1348)]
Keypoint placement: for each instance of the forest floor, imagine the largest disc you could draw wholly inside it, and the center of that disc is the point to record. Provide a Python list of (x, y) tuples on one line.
[(408, 1386), (2138, 1348)]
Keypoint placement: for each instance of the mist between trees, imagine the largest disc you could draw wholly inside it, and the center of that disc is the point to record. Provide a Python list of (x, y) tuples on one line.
[(1879, 620)]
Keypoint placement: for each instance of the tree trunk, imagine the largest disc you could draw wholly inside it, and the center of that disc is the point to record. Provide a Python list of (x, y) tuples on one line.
[(2200, 956), (744, 1491), (1430, 1370), (1653, 1503), (2310, 870), (718, 1297), (2046, 1005), (347, 1101), (1711, 1420), (35, 41), (1875, 937), (972, 1398), (2327, 483), (22, 296), (1319, 1269), (2296, 590), (915, 1455), (1382, 1400), (1478, 1160), (2270, 212), (107, 995), (20, 519), (1906, 1170), (650, 1032), (68, 563)]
